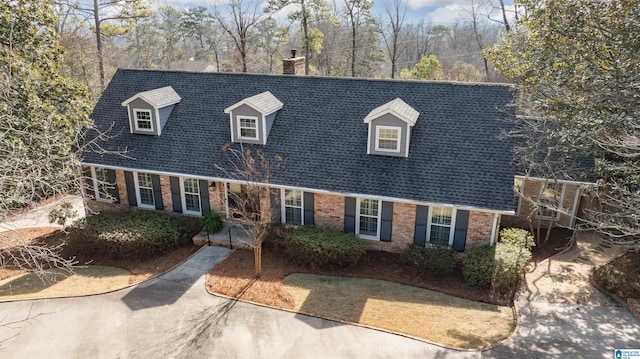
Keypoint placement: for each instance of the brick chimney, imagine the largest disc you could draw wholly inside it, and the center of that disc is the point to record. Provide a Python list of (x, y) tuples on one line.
[(293, 65)]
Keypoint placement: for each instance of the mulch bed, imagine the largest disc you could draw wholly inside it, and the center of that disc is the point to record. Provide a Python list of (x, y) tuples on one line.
[(139, 269), (558, 240), (627, 271), (234, 277)]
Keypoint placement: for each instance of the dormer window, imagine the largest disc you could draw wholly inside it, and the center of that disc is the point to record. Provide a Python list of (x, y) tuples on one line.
[(252, 118), (143, 120), (248, 127), (388, 138), (390, 128), (149, 110)]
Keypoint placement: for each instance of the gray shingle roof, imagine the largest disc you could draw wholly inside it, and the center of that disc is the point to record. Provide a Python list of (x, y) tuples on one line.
[(264, 102), (398, 108), (157, 98), (455, 157)]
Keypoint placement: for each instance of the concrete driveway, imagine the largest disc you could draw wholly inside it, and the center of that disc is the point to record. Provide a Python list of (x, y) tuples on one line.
[(173, 317)]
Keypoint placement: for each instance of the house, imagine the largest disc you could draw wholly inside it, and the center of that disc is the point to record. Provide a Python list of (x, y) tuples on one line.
[(396, 162)]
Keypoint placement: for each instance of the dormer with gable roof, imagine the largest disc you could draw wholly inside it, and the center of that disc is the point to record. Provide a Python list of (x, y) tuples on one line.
[(149, 110), (390, 128), (251, 119)]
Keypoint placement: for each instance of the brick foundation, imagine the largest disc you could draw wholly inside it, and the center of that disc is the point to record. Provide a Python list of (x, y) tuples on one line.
[(329, 210)]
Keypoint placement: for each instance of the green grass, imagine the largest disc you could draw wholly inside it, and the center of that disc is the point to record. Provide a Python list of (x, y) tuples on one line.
[(436, 317), (85, 280)]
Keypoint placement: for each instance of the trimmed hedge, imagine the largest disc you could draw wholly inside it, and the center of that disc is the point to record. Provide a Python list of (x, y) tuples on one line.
[(500, 267), (323, 247), (132, 233), (518, 237), (437, 260)]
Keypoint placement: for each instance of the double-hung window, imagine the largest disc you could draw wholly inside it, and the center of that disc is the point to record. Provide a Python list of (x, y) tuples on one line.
[(191, 196), (440, 229), (292, 206), (144, 185), (248, 127), (388, 138), (368, 218), (143, 120), (101, 184)]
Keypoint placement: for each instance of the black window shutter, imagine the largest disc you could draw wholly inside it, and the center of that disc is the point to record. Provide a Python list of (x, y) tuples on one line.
[(350, 214), (308, 208), (113, 186), (460, 234), (131, 188), (88, 182), (175, 194), (386, 223), (420, 233), (157, 192), (204, 196)]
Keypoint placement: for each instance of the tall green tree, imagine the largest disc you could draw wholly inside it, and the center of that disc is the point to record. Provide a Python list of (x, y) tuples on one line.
[(576, 64), (308, 12), (428, 68), (41, 115)]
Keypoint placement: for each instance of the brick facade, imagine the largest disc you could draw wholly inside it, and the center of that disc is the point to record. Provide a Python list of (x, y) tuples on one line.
[(479, 229), (165, 187), (402, 228), (122, 187), (329, 210), (216, 198)]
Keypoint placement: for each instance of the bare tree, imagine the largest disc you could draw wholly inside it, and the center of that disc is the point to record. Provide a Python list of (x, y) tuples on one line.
[(358, 11), (253, 170), (474, 16), (239, 23), (392, 32)]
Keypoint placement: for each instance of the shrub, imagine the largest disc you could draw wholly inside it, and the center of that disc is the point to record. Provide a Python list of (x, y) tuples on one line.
[(604, 277), (511, 261), (187, 227), (213, 222), (500, 267), (518, 237), (124, 234), (440, 260), (436, 260), (478, 265), (323, 247)]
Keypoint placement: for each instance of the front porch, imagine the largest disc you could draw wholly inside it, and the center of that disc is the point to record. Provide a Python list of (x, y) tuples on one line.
[(232, 235)]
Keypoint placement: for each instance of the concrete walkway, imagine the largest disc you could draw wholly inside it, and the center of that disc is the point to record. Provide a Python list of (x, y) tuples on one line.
[(173, 316)]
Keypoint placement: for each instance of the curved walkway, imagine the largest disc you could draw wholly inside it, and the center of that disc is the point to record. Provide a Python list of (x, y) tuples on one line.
[(172, 316)]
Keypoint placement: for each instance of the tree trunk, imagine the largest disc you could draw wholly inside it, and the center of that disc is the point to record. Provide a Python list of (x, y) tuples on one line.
[(96, 16), (353, 47), (504, 16), (257, 256), (305, 35)]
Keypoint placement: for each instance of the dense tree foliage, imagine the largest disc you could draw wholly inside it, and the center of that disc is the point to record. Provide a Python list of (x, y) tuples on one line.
[(577, 67)]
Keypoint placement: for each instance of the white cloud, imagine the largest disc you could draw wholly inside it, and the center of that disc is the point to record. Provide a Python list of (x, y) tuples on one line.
[(449, 14), (419, 4)]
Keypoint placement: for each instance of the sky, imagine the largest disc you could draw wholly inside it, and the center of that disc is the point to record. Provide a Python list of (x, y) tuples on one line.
[(439, 11)]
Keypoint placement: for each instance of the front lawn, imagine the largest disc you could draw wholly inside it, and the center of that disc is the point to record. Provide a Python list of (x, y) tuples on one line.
[(436, 317), (234, 277)]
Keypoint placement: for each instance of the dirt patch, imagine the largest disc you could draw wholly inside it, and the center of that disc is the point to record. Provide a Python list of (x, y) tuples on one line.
[(140, 269), (620, 276), (559, 239), (565, 277), (234, 277)]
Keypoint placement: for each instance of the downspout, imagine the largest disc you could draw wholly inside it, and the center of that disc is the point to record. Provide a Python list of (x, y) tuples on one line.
[(226, 199), (493, 228)]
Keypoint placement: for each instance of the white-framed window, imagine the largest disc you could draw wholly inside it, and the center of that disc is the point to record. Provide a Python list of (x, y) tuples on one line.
[(292, 207), (518, 185), (101, 184), (248, 127), (142, 120), (368, 218), (388, 138), (440, 228), (144, 190), (550, 201), (190, 196)]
